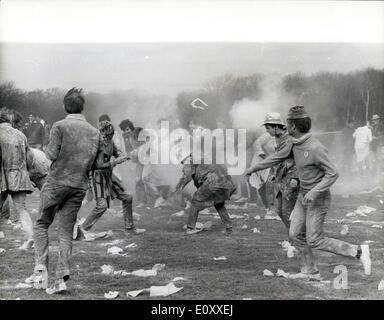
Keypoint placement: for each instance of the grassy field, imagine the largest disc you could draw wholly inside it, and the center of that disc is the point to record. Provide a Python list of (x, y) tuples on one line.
[(238, 277)]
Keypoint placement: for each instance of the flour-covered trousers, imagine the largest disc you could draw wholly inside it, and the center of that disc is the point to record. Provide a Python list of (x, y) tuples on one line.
[(311, 217), (63, 202), (19, 202)]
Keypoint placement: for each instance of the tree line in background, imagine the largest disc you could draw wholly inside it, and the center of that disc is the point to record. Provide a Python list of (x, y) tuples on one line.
[(333, 99)]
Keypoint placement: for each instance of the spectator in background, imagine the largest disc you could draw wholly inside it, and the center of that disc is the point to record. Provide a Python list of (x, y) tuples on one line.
[(377, 145), (34, 131), (347, 147), (363, 139)]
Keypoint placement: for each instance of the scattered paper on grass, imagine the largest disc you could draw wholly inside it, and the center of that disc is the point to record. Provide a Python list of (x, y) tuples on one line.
[(158, 266), (131, 245), (267, 273), (246, 216), (2, 250), (282, 273), (344, 230), (144, 273), (177, 279), (106, 269), (178, 214), (111, 294), (135, 293), (219, 258), (289, 248), (23, 286), (271, 217), (257, 217), (244, 227), (2, 236), (114, 250), (368, 241), (255, 230), (118, 272), (364, 209), (351, 214), (377, 226), (163, 291), (380, 287), (381, 201)]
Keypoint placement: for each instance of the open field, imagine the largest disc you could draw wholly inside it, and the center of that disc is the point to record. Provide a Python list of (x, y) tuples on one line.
[(191, 257)]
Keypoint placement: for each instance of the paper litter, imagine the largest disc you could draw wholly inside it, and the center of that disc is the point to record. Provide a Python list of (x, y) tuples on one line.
[(344, 230), (381, 285), (2, 236), (2, 250), (267, 273), (255, 230), (158, 266), (257, 217), (177, 279), (111, 294), (377, 226), (282, 273), (244, 227), (178, 214), (112, 243), (114, 250), (236, 216), (163, 291), (219, 258), (131, 245), (106, 269)]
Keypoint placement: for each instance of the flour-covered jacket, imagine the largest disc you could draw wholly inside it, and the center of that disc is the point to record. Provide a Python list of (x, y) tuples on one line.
[(14, 152), (73, 147)]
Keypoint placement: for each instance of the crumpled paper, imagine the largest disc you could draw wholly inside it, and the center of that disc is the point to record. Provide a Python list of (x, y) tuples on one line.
[(156, 291), (2, 235), (244, 227), (377, 226), (282, 273), (289, 248), (271, 217), (131, 245), (219, 258), (257, 217), (203, 226), (178, 214), (112, 243), (364, 209), (380, 287), (267, 273), (111, 294), (163, 291), (255, 230), (344, 230), (106, 269), (114, 250), (2, 250)]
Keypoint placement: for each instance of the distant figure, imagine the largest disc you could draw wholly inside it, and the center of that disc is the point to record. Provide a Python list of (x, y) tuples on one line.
[(34, 131), (363, 139), (377, 145), (347, 147)]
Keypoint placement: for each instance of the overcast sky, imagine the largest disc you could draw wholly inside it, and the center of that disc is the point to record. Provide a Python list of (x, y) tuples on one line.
[(168, 46)]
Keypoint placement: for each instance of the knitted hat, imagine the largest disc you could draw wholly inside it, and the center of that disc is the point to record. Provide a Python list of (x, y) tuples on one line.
[(297, 112)]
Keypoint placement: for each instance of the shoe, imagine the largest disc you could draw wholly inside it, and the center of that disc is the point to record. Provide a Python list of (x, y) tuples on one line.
[(39, 278), (57, 287), (193, 231), (306, 276), (27, 245), (365, 258)]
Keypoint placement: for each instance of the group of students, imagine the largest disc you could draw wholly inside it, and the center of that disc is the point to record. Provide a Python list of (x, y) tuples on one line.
[(82, 157)]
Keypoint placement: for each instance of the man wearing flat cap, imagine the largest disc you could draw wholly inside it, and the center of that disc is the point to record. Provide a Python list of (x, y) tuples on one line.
[(316, 175)]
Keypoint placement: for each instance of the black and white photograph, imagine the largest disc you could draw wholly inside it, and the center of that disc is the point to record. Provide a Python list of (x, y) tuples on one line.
[(191, 151)]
